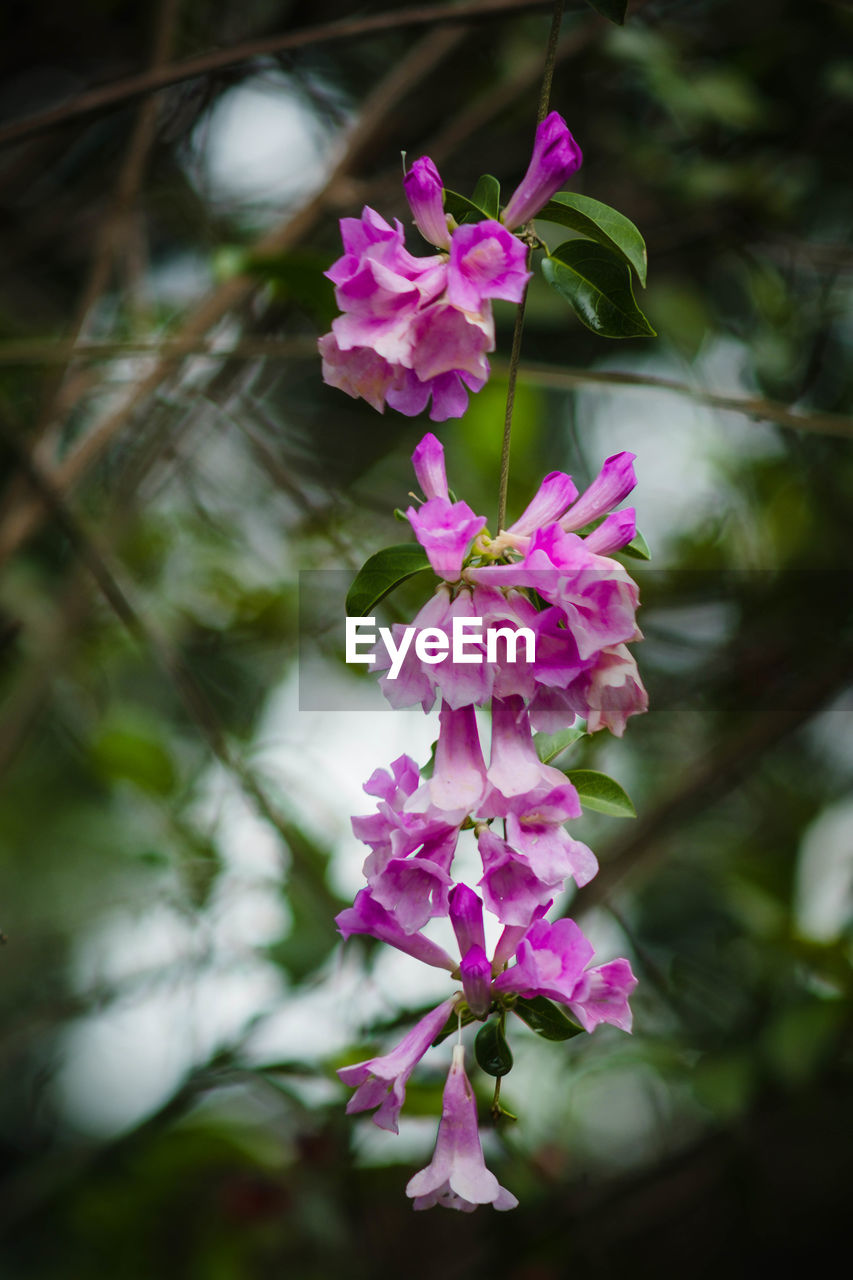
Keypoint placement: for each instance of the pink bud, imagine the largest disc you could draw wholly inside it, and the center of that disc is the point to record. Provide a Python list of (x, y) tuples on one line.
[(423, 188), (555, 157)]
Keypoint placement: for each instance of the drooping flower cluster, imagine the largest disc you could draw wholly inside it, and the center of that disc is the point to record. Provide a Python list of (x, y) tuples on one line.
[(418, 329), (551, 574)]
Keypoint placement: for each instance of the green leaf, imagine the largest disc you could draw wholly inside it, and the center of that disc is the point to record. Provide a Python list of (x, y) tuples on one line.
[(612, 9), (550, 745), (602, 793), (382, 573), (637, 548), (487, 195), (596, 282), (546, 1018), (463, 209), (491, 1050), (597, 221)]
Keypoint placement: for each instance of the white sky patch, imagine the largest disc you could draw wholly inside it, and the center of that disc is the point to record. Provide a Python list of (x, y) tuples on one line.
[(824, 892), (262, 144), (682, 447)]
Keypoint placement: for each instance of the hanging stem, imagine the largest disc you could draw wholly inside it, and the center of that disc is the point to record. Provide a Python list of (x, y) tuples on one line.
[(515, 354)]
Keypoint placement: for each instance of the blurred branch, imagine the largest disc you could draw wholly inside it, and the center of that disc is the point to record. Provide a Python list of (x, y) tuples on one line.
[(716, 773), (832, 424), (190, 692), (44, 351), (23, 518), (345, 29)]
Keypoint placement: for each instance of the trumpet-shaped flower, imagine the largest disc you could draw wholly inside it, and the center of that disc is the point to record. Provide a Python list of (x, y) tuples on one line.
[(381, 1082), (457, 1176)]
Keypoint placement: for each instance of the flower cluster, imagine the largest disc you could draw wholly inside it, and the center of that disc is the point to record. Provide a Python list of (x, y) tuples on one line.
[(415, 329), (549, 572)]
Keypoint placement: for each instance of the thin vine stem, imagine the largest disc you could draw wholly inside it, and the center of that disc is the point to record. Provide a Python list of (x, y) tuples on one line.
[(515, 354)]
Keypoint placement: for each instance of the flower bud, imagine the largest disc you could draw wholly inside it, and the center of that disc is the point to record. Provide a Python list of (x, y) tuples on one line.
[(424, 193), (555, 157)]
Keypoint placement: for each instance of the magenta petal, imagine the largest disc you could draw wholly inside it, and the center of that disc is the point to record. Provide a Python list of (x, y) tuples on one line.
[(466, 916), (476, 971), (556, 492), (614, 482), (424, 193), (381, 1081), (457, 1176), (368, 916), (602, 996), (445, 530), (486, 261), (428, 462), (459, 776), (556, 156), (614, 532)]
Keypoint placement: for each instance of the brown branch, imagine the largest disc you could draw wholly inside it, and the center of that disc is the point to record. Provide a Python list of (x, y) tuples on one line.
[(24, 518), (46, 352), (831, 424), (346, 29)]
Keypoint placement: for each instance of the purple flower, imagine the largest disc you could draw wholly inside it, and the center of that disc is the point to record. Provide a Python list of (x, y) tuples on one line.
[(459, 776), (486, 261), (367, 916), (551, 960), (457, 1176), (381, 1082), (614, 482), (466, 916), (423, 188), (511, 889), (428, 462), (554, 495), (476, 972), (555, 157), (399, 340), (445, 530)]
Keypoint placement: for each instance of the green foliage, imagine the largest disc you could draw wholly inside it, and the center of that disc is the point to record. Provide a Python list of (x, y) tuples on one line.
[(596, 221), (602, 793), (597, 284), (491, 1050), (547, 1019), (381, 573), (550, 745), (487, 195)]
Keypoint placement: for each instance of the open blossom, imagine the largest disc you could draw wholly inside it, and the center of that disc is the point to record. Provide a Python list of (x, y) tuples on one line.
[(551, 960), (416, 331), (381, 1082), (457, 1176)]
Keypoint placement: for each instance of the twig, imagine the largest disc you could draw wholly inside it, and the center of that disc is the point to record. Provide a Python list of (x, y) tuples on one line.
[(347, 29), (518, 329), (23, 519)]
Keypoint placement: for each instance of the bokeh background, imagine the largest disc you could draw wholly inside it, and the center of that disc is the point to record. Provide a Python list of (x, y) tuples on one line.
[(174, 836)]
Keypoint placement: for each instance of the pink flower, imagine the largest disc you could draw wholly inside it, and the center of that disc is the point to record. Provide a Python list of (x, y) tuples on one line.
[(423, 188), (457, 1176), (445, 530), (486, 261), (556, 156), (400, 340), (551, 960), (367, 916), (381, 1082)]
